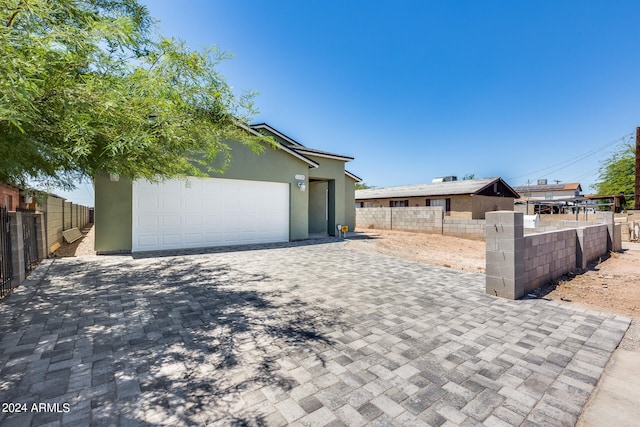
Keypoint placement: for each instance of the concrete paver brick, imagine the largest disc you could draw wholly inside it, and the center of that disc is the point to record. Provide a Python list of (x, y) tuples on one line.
[(292, 334)]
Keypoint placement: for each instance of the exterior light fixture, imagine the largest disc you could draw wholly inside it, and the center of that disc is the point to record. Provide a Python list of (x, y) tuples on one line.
[(114, 177), (302, 186)]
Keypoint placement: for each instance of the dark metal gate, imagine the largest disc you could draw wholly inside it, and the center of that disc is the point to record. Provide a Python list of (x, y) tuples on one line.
[(6, 272), (30, 241)]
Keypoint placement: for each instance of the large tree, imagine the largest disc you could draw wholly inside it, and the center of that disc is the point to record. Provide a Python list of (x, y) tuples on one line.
[(87, 86), (617, 173)]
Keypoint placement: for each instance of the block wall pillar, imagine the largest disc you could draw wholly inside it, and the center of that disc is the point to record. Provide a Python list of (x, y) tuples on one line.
[(17, 249), (41, 236), (609, 219), (505, 253)]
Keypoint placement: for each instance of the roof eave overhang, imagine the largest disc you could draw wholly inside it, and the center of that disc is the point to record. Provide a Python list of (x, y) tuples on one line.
[(352, 176), (514, 193), (312, 164), (325, 155), (276, 132)]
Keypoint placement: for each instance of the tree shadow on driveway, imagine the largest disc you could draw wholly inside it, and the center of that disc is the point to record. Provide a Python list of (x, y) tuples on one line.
[(169, 340)]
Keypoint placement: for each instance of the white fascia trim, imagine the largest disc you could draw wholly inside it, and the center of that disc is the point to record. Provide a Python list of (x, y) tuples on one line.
[(350, 175), (281, 135), (327, 156), (311, 163)]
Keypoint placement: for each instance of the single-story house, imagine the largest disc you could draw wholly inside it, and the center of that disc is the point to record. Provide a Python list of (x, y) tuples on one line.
[(9, 196), (13, 197), (544, 198), (286, 193), (466, 199), (544, 191)]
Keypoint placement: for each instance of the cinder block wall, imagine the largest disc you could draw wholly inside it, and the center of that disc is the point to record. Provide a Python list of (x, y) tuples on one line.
[(74, 216), (590, 217), (483, 204), (593, 244), (518, 264), (67, 215), (379, 218), (467, 228), (547, 256), (53, 210), (426, 219)]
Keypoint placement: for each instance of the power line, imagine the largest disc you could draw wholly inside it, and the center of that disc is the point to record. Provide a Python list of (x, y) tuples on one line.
[(574, 160)]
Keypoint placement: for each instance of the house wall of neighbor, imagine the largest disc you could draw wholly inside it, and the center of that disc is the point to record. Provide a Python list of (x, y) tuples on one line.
[(483, 204), (9, 197)]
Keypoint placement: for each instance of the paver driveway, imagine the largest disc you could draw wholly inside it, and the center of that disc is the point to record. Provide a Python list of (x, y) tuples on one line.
[(294, 335)]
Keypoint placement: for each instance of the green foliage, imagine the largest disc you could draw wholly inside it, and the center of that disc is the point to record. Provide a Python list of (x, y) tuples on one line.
[(469, 176), (85, 89), (617, 173), (362, 186)]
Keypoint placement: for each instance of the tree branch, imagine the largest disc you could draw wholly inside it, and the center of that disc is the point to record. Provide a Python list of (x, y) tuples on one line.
[(14, 15)]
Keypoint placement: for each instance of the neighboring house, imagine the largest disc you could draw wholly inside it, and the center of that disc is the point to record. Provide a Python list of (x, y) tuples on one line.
[(544, 191), (466, 199), (543, 198), (286, 193), (14, 198), (9, 197)]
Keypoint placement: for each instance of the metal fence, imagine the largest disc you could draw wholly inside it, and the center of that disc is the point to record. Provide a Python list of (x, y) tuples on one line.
[(30, 241), (6, 272)]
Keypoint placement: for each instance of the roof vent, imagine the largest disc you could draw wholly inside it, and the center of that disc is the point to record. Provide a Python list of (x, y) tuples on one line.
[(542, 182), (444, 179)]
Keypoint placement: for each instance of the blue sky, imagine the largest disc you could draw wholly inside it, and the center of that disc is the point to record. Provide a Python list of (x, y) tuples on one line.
[(419, 89)]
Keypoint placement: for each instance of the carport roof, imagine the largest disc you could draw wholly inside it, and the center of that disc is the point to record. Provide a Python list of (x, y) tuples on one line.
[(450, 188)]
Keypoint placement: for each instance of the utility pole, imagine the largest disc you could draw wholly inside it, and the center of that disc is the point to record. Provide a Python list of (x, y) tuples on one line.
[(636, 199)]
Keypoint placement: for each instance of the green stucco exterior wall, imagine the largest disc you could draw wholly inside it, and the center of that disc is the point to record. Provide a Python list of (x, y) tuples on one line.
[(113, 199), (332, 171), (112, 219), (350, 203)]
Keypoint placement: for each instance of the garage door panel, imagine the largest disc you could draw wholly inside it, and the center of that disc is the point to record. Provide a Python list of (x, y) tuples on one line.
[(146, 241), (171, 220), (147, 222), (190, 238), (208, 212), (193, 221), (193, 204), (212, 237)]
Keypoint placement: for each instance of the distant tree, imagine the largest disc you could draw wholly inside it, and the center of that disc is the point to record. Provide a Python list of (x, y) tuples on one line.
[(469, 176), (617, 173), (86, 87), (362, 186)]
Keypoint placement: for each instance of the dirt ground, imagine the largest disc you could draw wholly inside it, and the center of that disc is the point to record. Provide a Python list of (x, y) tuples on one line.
[(81, 247), (434, 249), (611, 286)]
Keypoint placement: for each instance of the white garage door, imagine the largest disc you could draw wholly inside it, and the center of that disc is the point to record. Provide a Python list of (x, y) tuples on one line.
[(203, 212)]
